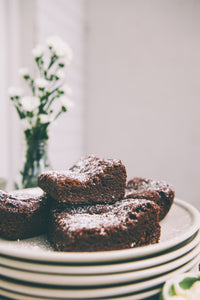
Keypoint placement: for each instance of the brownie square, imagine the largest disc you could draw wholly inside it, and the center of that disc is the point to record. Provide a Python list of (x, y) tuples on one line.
[(90, 180), (23, 216), (158, 191), (125, 224)]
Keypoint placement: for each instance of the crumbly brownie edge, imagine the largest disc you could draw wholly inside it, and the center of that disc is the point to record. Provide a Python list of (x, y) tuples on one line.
[(23, 217), (160, 192), (105, 187), (142, 231)]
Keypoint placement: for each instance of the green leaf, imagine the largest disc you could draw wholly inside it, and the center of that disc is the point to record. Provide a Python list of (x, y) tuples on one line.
[(172, 291), (188, 282)]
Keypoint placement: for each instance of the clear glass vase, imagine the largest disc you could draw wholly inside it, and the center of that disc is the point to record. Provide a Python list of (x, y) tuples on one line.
[(36, 161)]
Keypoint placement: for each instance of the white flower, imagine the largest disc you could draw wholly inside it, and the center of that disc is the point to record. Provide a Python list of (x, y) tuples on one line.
[(15, 91), (41, 82), (66, 89), (195, 290), (66, 102), (24, 72), (60, 74), (44, 118), (30, 103), (60, 48), (25, 124), (38, 51)]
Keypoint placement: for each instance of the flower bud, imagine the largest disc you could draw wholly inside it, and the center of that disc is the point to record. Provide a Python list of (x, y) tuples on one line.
[(38, 51), (15, 92)]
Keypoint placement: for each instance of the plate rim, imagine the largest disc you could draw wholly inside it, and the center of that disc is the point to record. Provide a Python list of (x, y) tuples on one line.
[(104, 292), (98, 280), (105, 256), (112, 268), (145, 294)]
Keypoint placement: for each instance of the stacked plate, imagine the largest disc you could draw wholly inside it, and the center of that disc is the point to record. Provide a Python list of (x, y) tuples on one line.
[(31, 269)]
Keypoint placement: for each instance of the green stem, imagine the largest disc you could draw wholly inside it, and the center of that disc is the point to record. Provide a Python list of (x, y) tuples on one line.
[(53, 98), (19, 111), (52, 61), (58, 114), (32, 86), (35, 161)]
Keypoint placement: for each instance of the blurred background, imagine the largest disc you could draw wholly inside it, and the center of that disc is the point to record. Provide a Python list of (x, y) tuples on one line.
[(135, 79)]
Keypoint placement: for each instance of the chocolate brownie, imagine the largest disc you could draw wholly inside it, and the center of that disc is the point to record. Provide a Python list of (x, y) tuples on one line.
[(22, 216), (125, 224), (158, 191), (90, 180)]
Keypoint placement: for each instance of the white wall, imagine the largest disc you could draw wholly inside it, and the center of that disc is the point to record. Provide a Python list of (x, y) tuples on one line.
[(144, 88), (23, 25), (11, 57), (67, 19), (143, 84), (3, 110)]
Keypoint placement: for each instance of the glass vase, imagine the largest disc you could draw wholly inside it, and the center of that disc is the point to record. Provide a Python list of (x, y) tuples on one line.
[(36, 161)]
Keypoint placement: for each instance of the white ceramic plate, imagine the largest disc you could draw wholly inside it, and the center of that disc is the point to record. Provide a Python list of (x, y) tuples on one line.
[(98, 280), (173, 232), (103, 268), (92, 293), (137, 296)]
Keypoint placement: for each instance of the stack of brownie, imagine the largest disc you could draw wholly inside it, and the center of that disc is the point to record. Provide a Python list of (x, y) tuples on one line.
[(91, 208), (94, 210)]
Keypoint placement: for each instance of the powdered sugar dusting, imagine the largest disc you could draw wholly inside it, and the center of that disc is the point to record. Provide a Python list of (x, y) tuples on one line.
[(99, 216), (139, 185), (63, 174), (85, 169), (91, 165), (88, 222), (36, 244)]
